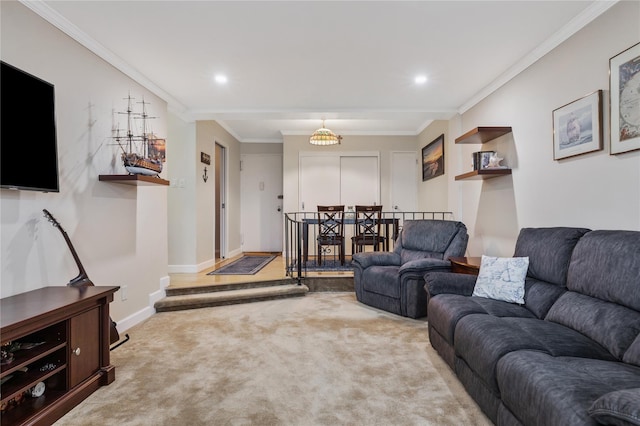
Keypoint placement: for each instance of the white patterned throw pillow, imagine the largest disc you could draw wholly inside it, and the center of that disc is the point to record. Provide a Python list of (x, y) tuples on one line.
[(502, 278)]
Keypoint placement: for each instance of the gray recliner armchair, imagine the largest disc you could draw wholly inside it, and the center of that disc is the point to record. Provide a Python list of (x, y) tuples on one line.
[(394, 281)]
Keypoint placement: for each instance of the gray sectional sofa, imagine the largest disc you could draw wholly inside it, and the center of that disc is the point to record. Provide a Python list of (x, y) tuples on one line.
[(571, 354)]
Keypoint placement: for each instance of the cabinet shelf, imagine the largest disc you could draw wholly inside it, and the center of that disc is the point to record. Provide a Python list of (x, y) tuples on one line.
[(481, 135), (136, 180)]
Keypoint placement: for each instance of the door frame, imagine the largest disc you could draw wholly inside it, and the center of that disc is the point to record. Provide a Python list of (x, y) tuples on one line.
[(392, 176), (220, 210)]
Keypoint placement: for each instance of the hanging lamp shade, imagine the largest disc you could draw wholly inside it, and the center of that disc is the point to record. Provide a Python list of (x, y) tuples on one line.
[(324, 136)]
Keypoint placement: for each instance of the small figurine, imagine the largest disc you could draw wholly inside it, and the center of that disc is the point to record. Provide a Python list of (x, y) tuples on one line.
[(494, 161)]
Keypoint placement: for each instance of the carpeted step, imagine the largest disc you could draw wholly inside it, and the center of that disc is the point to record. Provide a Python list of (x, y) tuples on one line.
[(230, 297), (179, 291)]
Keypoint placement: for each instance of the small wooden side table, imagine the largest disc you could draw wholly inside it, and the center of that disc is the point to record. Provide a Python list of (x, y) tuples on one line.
[(465, 265)]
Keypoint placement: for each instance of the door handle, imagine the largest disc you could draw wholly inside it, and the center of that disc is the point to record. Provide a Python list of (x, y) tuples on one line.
[(279, 209), (395, 207)]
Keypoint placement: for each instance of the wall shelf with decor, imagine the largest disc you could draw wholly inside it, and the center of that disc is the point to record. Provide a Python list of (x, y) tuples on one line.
[(136, 180), (481, 135)]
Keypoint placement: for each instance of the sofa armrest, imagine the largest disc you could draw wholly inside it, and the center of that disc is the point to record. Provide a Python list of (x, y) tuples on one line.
[(383, 258), (421, 266), (621, 407), (447, 282)]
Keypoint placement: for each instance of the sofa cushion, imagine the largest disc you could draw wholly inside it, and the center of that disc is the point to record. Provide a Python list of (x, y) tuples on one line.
[(429, 235), (632, 355), (481, 340), (606, 265), (539, 296), (410, 255), (613, 326), (620, 408), (549, 251), (542, 389), (445, 310), (502, 278), (382, 280)]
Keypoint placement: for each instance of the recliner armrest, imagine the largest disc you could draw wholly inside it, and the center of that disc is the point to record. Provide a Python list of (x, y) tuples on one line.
[(421, 266), (379, 258), (447, 282)]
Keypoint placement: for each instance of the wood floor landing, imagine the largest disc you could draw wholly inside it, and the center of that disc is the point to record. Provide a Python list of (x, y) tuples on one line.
[(199, 290)]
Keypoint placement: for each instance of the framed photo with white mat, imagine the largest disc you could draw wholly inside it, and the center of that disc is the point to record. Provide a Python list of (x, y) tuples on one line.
[(577, 127)]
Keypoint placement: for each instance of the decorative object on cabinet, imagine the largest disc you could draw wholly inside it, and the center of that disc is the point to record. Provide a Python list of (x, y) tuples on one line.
[(482, 135), (73, 361), (624, 87), (433, 159), (577, 127)]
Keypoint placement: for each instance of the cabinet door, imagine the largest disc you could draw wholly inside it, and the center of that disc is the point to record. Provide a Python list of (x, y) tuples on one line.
[(84, 346)]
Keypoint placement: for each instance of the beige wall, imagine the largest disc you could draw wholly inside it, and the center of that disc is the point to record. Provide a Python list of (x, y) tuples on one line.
[(261, 148), (293, 145), (208, 133), (119, 231), (433, 193), (596, 190)]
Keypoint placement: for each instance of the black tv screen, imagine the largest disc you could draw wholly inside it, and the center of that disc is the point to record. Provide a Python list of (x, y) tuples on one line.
[(28, 145)]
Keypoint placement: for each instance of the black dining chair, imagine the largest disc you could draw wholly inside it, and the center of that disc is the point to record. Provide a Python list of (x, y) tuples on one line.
[(367, 229), (330, 230)]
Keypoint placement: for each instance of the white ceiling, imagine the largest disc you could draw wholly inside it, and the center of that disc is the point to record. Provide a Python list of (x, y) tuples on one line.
[(291, 63)]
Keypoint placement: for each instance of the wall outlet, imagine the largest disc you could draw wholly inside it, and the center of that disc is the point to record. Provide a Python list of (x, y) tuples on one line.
[(123, 292)]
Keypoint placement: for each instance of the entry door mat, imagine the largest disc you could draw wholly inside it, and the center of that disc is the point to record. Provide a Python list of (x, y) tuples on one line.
[(246, 265)]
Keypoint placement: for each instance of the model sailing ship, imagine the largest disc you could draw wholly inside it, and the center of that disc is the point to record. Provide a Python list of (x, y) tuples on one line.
[(137, 148)]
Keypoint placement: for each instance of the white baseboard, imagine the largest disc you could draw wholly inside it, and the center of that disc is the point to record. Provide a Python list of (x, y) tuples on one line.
[(137, 317), (182, 269), (234, 253)]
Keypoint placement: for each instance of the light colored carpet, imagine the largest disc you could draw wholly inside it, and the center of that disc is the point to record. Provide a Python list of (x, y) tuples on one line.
[(322, 359)]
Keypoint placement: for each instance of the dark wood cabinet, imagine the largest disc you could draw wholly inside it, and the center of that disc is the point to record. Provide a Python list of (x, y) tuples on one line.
[(60, 337)]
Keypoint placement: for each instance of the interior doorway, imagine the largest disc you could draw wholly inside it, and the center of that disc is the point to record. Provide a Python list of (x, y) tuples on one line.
[(220, 201), (261, 200), (404, 183)]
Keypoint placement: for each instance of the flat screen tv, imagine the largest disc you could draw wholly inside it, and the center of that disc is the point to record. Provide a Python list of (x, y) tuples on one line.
[(28, 144)]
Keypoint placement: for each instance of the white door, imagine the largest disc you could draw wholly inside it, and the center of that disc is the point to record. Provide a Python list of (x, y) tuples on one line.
[(319, 182), (404, 181), (261, 200), (359, 181)]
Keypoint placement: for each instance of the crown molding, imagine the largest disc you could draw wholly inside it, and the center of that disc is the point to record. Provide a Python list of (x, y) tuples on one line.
[(576, 24), (54, 18)]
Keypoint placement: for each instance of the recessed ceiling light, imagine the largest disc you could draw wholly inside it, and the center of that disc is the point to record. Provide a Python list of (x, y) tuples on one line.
[(220, 78), (421, 79)]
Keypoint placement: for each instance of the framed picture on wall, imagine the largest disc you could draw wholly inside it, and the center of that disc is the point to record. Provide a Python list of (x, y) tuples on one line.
[(433, 159), (157, 148), (624, 86), (577, 127)]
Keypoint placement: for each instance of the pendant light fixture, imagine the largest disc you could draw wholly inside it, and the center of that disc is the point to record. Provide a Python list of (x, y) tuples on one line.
[(324, 136)]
